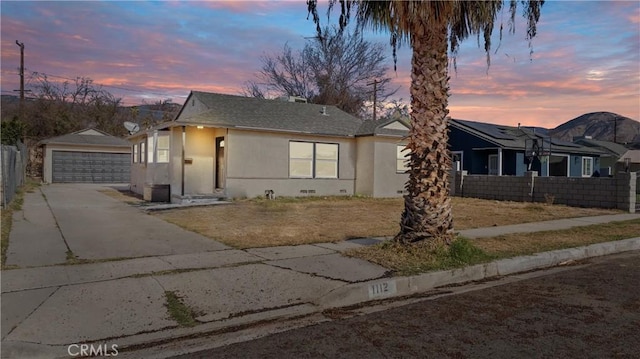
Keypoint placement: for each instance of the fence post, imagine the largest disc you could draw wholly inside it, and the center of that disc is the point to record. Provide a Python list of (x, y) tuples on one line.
[(3, 174), (626, 191)]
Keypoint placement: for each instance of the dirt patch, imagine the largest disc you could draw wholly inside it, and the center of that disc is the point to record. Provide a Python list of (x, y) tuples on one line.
[(124, 196)]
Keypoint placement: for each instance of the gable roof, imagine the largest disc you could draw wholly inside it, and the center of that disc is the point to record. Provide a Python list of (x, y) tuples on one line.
[(514, 138), (87, 137), (612, 148), (395, 127), (632, 155), (272, 115)]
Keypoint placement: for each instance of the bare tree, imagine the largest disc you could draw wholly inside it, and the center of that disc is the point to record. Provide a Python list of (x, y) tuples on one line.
[(335, 69), (286, 74), (62, 107)]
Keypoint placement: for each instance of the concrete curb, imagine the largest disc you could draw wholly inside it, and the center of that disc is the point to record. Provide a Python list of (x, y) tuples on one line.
[(357, 293), (362, 292), (348, 295)]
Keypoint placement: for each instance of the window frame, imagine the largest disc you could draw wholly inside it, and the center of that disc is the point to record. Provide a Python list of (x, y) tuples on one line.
[(134, 154), (158, 148), (143, 152), (151, 148), (302, 158), (591, 170), (400, 157), (314, 160)]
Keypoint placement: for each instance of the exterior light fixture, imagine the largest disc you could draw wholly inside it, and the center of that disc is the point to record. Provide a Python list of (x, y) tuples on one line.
[(199, 127)]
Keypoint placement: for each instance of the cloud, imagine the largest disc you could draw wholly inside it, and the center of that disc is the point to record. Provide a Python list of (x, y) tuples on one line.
[(144, 50)]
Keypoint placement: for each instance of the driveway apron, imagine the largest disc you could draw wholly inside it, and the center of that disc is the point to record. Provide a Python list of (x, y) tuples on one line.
[(96, 226), (35, 239)]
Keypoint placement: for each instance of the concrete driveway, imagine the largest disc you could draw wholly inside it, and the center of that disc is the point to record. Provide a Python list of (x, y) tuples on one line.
[(60, 220)]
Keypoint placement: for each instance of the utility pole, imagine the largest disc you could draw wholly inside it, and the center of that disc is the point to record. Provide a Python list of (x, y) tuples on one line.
[(21, 44), (375, 95)]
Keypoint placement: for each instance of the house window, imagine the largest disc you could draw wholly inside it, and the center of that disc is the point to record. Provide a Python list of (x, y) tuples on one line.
[(150, 149), (558, 165), (162, 147), (135, 153), (402, 164), (143, 157), (313, 160), (587, 166), (326, 160)]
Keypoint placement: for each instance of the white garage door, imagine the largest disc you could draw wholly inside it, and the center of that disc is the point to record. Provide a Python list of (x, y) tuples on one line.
[(91, 167)]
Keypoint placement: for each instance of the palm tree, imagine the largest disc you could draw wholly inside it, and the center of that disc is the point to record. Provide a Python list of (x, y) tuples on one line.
[(430, 27)]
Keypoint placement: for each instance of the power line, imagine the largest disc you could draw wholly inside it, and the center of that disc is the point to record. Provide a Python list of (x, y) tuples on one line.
[(103, 85)]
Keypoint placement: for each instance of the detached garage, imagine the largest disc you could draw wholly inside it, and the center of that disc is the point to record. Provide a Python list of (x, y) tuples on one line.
[(86, 156)]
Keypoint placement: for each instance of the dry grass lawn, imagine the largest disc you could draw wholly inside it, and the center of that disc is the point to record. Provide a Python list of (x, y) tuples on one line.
[(529, 243), (424, 257), (293, 221)]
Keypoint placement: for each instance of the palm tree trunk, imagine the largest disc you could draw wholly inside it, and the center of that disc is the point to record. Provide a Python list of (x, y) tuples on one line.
[(427, 206)]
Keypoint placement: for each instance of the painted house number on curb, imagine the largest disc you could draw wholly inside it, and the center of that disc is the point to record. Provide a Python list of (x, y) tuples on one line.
[(382, 289)]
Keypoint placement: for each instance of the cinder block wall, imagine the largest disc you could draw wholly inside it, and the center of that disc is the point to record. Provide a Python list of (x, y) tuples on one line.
[(501, 188), (599, 192), (577, 192)]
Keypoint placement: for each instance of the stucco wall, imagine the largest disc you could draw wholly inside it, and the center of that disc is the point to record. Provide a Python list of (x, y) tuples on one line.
[(48, 155), (364, 167), (290, 187), (387, 181), (200, 149), (258, 161)]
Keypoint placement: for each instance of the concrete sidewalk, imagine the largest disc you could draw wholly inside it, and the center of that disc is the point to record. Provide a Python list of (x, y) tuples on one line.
[(46, 309), (35, 238), (123, 302)]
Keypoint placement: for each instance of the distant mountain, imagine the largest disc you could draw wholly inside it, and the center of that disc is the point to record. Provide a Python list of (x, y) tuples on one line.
[(602, 126)]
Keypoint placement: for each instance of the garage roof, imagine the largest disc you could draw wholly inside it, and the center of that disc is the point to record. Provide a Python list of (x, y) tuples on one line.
[(87, 137)]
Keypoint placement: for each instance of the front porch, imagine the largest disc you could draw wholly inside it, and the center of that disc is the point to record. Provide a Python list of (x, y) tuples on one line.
[(180, 164)]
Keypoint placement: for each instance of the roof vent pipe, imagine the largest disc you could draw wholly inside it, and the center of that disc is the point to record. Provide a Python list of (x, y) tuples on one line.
[(324, 110)]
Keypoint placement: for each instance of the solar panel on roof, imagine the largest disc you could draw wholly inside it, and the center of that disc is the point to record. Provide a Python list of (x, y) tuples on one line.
[(489, 129), (557, 142)]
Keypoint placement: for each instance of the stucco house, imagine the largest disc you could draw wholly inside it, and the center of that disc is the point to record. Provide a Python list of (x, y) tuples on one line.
[(484, 148), (612, 152), (235, 147)]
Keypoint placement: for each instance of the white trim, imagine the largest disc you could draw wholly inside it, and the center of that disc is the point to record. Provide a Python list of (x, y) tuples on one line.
[(400, 156), (461, 153), (395, 125), (499, 161), (591, 170)]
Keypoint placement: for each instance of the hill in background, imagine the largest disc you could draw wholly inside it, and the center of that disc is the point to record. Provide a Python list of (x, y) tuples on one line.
[(604, 126)]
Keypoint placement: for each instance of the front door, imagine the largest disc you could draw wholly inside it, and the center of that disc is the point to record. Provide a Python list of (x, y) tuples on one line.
[(219, 162)]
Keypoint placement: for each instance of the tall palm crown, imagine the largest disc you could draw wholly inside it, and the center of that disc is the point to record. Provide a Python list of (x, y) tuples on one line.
[(429, 27)]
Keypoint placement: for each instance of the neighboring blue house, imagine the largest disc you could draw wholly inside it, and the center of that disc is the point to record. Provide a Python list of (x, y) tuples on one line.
[(483, 148)]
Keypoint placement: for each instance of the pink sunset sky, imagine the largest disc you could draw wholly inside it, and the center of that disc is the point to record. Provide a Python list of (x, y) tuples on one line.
[(586, 57)]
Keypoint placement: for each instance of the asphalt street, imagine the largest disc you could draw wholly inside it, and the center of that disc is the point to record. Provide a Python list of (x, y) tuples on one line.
[(589, 310)]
